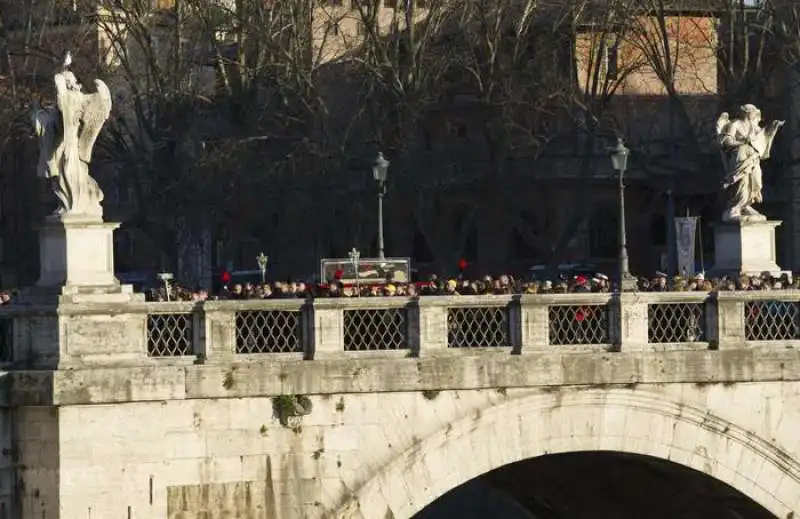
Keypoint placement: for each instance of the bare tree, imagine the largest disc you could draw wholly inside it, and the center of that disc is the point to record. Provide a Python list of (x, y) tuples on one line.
[(602, 64), (216, 104)]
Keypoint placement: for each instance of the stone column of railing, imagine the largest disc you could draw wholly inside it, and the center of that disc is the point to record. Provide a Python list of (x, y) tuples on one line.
[(327, 329), (729, 321), (250, 328), (753, 318), (64, 334), (534, 322), (431, 320), (546, 320), (365, 325), (482, 322), (219, 332), (629, 321)]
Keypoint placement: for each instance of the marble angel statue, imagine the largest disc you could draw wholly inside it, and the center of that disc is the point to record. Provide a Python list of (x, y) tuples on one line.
[(744, 144), (67, 133)]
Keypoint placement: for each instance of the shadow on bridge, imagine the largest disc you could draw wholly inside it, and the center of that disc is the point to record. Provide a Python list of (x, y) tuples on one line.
[(596, 485)]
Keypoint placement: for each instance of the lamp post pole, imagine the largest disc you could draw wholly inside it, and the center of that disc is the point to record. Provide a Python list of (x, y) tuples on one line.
[(380, 170), (619, 159)]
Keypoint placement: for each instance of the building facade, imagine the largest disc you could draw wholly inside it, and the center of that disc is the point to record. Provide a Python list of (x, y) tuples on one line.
[(454, 193)]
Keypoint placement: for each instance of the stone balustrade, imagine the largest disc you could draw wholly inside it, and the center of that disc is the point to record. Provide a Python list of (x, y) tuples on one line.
[(250, 330)]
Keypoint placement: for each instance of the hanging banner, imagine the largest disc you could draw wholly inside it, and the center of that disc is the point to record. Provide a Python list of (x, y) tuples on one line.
[(685, 228)]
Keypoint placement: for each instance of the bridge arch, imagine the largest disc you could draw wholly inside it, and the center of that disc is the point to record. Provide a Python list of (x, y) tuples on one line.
[(627, 420)]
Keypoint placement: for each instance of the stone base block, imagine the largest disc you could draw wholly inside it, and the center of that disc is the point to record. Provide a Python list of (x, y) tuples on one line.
[(77, 253), (745, 247)]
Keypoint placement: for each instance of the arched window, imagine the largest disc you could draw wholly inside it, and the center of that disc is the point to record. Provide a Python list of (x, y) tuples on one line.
[(521, 249), (658, 230), (420, 251), (603, 233)]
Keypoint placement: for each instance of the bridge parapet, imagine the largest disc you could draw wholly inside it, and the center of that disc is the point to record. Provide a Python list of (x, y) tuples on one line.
[(244, 330)]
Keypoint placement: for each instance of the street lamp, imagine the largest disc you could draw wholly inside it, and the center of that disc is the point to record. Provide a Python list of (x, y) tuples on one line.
[(354, 257), (619, 159), (380, 169), (262, 266)]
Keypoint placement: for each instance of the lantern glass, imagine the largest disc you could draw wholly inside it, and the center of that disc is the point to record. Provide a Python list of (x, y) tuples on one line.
[(619, 156), (380, 168)]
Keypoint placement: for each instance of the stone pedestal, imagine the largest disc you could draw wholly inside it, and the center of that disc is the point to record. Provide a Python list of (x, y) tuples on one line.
[(78, 314), (745, 247), (76, 253)]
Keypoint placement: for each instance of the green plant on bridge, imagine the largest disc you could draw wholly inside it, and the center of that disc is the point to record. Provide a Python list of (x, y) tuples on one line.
[(288, 406)]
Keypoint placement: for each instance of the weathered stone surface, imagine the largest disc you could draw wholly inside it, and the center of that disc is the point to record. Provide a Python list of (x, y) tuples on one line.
[(480, 370), (357, 435), (184, 441), (396, 451)]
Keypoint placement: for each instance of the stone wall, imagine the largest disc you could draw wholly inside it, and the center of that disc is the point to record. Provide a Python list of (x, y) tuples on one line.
[(223, 445), (222, 423)]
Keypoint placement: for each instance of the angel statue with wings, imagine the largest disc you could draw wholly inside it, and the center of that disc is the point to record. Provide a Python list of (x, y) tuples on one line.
[(67, 133), (744, 144)]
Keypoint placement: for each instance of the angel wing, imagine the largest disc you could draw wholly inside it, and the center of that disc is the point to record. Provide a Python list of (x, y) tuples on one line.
[(96, 109), (722, 122)]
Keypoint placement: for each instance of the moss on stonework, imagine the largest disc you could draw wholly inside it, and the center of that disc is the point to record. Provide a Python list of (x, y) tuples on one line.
[(288, 406), (429, 394)]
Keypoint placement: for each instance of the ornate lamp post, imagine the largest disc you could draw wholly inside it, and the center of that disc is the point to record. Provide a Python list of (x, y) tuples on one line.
[(355, 256), (262, 266), (619, 159), (380, 169)]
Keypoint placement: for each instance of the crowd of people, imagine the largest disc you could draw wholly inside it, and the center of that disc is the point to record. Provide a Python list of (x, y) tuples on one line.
[(488, 285), (435, 286)]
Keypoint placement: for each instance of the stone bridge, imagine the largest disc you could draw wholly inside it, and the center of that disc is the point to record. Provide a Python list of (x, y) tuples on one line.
[(565, 406)]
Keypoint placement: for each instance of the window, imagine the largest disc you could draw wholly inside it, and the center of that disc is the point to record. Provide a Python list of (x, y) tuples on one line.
[(603, 233), (420, 251), (521, 249), (658, 230)]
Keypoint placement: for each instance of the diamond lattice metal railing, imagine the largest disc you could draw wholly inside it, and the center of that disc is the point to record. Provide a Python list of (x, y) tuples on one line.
[(6, 339), (371, 329), (578, 324), (170, 334), (772, 320), (676, 322), (269, 331), (478, 327)]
